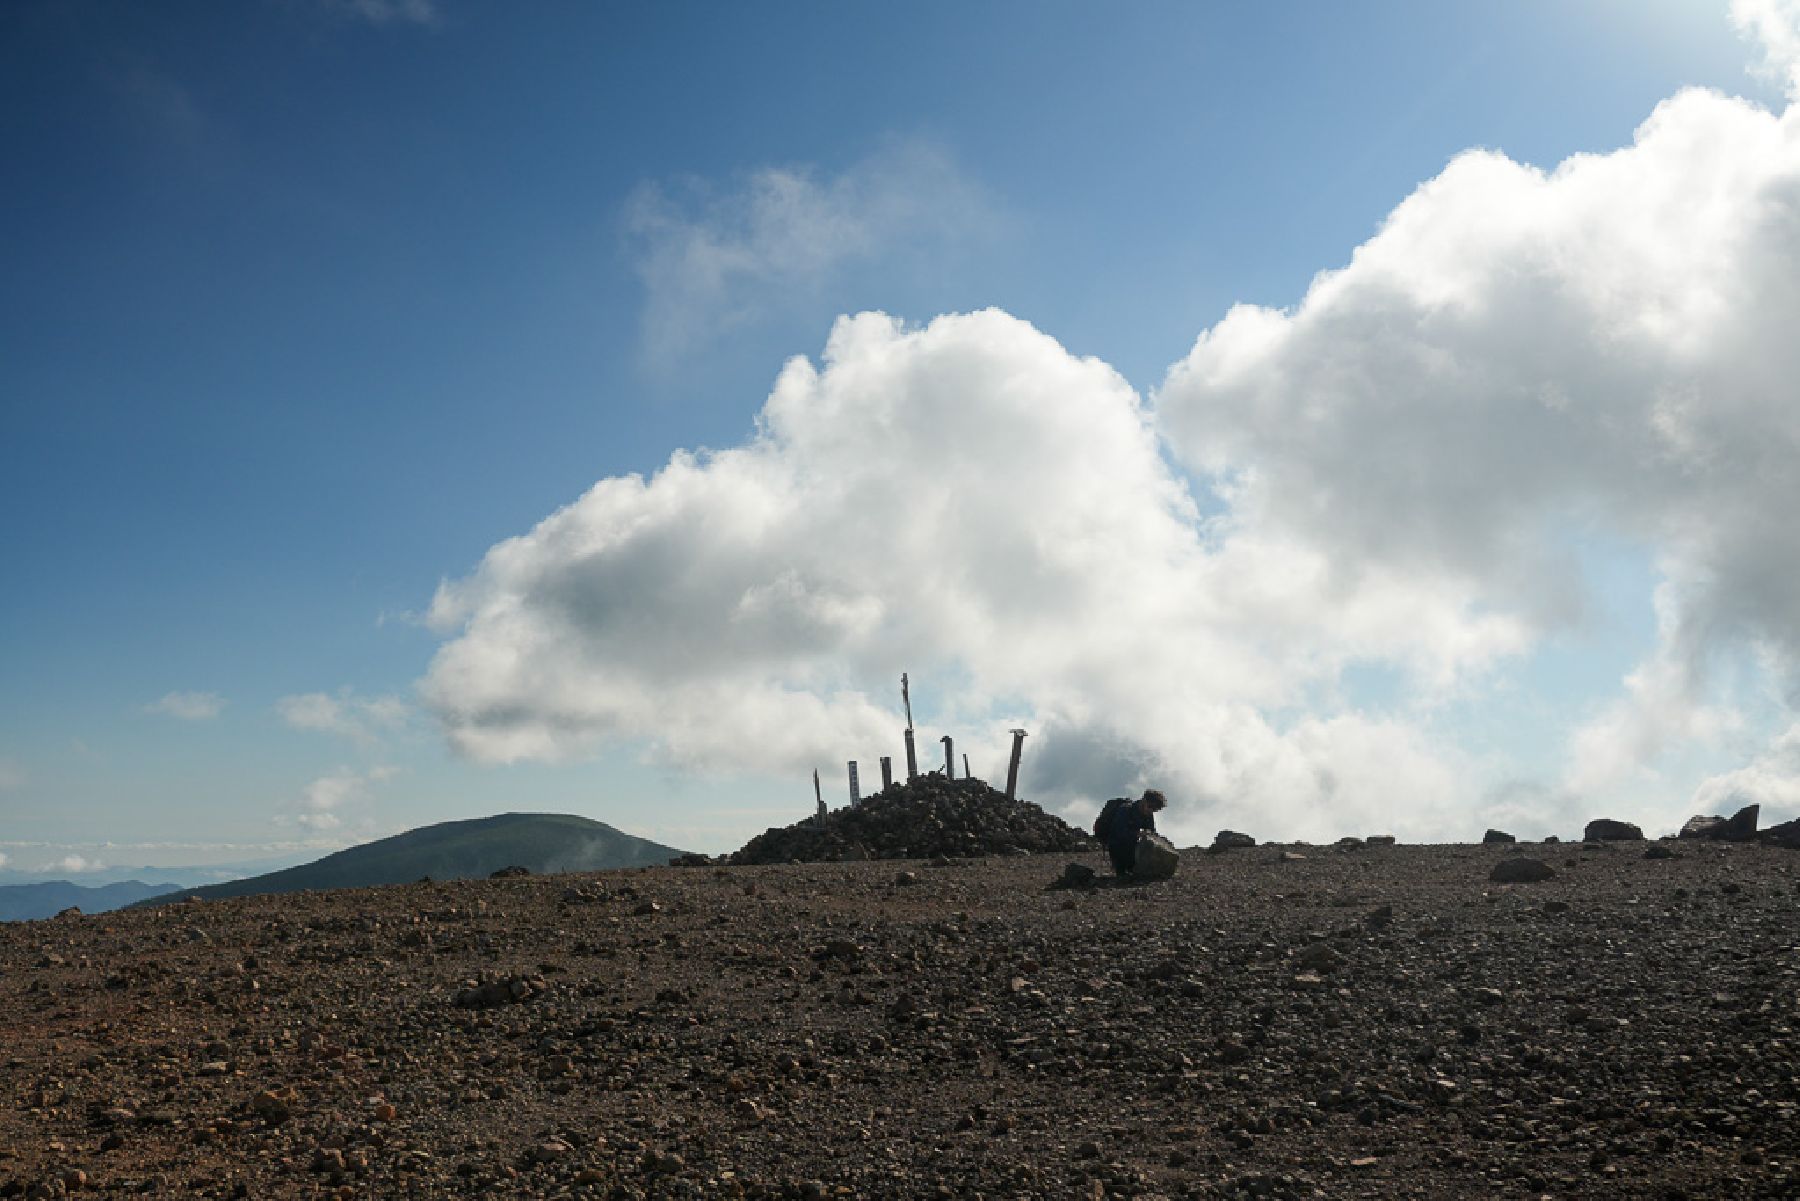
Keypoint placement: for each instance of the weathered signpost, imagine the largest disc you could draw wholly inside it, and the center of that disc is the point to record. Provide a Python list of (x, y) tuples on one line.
[(912, 756), (1012, 767)]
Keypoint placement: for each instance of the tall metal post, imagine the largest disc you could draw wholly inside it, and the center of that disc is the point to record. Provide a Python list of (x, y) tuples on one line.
[(887, 772), (817, 795), (855, 792), (967, 774), (949, 758), (1012, 768), (912, 757)]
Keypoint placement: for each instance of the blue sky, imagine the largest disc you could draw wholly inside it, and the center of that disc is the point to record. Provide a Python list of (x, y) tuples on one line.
[(308, 305)]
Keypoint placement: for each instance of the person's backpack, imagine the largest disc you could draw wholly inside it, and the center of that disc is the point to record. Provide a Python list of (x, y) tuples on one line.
[(1103, 824)]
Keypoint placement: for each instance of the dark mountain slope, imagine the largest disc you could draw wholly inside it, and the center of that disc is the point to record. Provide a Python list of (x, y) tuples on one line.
[(27, 902), (540, 842)]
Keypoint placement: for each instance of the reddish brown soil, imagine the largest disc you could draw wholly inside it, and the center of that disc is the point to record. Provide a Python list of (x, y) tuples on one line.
[(1369, 1022)]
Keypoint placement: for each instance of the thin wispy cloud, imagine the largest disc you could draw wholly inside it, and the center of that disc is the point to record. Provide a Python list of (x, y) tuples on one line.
[(163, 107), (714, 256), (12, 776), (331, 800), (362, 720), (73, 864), (388, 12), (187, 706)]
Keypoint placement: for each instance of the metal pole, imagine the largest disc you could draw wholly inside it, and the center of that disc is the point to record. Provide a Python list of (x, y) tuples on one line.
[(966, 772), (912, 757), (855, 792), (949, 757), (1012, 768), (887, 772), (817, 795), (906, 699)]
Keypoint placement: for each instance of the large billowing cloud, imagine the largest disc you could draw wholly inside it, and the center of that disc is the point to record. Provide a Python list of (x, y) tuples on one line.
[(973, 504), (1408, 469), (1521, 361)]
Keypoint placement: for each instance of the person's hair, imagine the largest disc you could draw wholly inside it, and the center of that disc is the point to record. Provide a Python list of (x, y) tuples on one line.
[(1155, 799)]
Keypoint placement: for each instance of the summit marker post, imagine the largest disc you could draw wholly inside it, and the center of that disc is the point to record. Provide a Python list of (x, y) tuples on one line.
[(1012, 768)]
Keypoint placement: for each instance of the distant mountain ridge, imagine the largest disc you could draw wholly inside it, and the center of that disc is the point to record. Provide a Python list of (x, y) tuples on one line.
[(459, 850), (47, 898)]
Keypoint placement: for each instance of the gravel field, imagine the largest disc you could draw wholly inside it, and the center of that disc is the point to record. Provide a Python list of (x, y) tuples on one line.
[(1343, 1021)]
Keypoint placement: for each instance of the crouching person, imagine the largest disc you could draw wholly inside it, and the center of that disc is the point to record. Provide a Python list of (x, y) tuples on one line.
[(1127, 820)]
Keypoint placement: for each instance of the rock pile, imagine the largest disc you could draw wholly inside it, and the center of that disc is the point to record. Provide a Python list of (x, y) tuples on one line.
[(920, 819)]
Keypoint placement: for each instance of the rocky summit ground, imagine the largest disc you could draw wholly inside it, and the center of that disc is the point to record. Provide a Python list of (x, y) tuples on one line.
[(1364, 1021)]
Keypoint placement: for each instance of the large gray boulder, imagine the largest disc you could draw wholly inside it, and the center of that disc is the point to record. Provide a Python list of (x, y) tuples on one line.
[(1496, 836), (1157, 857), (1739, 827), (1605, 829), (1231, 840), (1700, 826)]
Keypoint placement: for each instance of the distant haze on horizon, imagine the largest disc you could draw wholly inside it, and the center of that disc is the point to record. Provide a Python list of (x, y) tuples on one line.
[(1349, 421)]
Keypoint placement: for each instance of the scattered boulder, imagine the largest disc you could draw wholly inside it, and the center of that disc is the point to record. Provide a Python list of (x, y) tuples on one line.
[(1380, 840), (1605, 829), (1700, 826), (1075, 875), (1739, 827), (1787, 834), (1318, 957), (509, 873), (1521, 869), (692, 859), (1657, 850), (1231, 840), (508, 990), (1493, 837), (1157, 857)]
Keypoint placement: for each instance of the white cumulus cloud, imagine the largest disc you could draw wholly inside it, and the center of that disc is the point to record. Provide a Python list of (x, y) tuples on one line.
[(1403, 470), (188, 706), (970, 502), (1520, 358), (1775, 26)]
